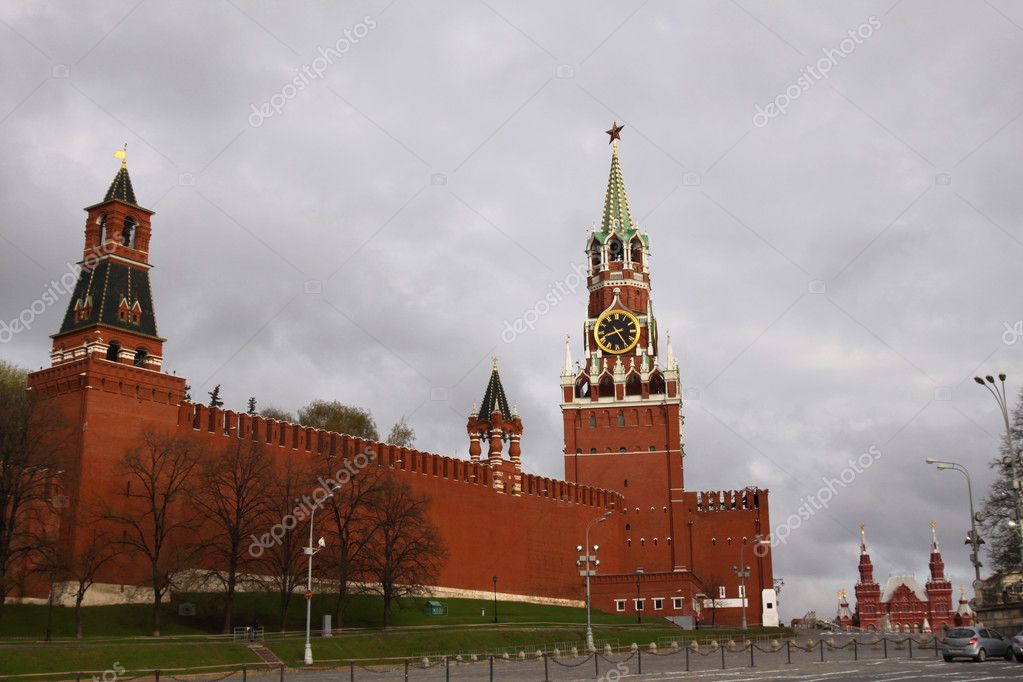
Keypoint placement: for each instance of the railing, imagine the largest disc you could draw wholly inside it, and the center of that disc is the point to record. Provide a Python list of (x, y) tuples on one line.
[(550, 662)]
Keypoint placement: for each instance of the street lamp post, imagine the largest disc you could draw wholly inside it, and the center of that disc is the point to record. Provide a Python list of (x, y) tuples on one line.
[(584, 563), (998, 391), (975, 541), (310, 551), (743, 572), (495, 598)]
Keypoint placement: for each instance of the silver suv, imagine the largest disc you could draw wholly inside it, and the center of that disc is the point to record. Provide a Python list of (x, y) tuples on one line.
[(976, 642)]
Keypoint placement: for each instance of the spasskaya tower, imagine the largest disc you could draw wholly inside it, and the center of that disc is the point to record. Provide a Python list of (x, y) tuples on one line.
[(622, 403)]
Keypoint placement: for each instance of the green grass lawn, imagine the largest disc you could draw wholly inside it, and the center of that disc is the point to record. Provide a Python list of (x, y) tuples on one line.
[(119, 635), (28, 621)]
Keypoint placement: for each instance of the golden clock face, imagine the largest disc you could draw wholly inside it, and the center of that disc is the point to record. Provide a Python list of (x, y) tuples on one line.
[(616, 331)]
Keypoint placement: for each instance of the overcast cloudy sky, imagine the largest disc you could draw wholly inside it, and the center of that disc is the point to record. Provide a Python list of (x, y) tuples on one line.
[(833, 276)]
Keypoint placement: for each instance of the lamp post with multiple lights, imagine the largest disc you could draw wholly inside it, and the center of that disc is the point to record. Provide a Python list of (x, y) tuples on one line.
[(998, 391), (310, 551), (584, 563), (743, 572)]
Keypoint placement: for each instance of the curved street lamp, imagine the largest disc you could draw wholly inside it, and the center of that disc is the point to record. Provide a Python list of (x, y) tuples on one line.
[(974, 538)]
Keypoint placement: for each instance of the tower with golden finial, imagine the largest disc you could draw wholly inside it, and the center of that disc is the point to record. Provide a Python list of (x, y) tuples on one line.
[(495, 422)]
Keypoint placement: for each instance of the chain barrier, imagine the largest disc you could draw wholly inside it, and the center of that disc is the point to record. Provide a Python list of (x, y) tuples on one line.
[(192, 679), (571, 665)]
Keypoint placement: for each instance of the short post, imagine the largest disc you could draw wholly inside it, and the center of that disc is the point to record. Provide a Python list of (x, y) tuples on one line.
[(282, 672), (884, 640), (751, 654), (639, 655), (546, 677), (910, 648), (822, 644), (351, 671), (491, 669), (245, 673), (156, 675), (788, 650), (935, 646), (596, 665), (447, 669), (687, 659), (406, 670), (856, 651), (722, 658)]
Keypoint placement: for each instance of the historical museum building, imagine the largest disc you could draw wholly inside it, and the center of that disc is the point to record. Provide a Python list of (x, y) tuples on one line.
[(665, 549), (904, 605)]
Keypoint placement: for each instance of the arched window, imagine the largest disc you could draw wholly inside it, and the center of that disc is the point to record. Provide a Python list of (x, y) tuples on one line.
[(128, 233), (593, 421), (621, 418), (102, 220), (657, 384), (607, 387), (140, 357), (636, 252), (114, 351), (615, 250), (622, 450), (595, 257), (582, 388), (633, 386)]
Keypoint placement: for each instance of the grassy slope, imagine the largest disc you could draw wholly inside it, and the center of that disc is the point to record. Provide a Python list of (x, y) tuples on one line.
[(462, 629)]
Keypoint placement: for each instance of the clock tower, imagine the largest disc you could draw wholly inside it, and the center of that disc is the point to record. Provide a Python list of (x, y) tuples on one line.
[(622, 403)]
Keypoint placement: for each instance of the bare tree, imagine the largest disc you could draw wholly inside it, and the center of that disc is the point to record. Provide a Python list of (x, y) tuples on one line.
[(405, 551), (156, 519), (234, 487), (79, 566), (1000, 503), (280, 552), (350, 508), (713, 585), (32, 443)]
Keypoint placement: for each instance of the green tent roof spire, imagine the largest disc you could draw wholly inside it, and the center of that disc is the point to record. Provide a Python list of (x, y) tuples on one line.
[(617, 215)]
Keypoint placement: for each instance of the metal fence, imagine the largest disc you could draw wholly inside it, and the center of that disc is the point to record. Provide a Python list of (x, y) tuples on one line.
[(551, 663)]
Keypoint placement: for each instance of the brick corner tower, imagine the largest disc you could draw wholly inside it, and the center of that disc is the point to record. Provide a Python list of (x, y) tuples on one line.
[(105, 377)]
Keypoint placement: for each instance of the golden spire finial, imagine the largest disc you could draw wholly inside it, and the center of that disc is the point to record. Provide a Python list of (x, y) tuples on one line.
[(494, 368), (122, 154)]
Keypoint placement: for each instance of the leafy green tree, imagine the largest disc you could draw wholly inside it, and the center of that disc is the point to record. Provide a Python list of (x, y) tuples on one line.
[(402, 434), (278, 414), (331, 415)]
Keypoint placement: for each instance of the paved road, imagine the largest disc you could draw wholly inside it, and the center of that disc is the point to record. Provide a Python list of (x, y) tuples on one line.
[(891, 670)]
